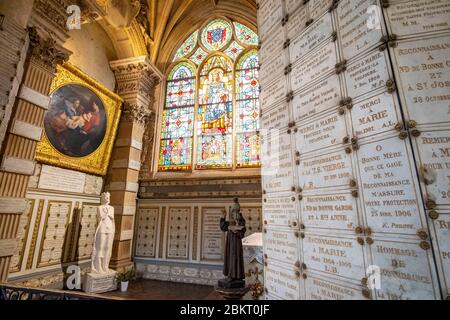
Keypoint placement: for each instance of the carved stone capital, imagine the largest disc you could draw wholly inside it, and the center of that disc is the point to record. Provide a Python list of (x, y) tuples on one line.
[(136, 113), (51, 17), (136, 79), (45, 51)]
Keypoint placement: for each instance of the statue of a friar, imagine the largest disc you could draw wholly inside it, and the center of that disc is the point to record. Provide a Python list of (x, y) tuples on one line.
[(233, 268), (104, 236)]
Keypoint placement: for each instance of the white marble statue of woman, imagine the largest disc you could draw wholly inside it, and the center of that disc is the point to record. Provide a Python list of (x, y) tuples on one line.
[(104, 236)]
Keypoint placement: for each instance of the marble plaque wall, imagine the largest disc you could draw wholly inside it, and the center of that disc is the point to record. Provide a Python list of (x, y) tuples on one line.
[(356, 144), (56, 230), (181, 240)]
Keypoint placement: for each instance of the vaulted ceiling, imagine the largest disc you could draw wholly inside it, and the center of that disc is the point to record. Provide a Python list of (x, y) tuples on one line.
[(171, 21)]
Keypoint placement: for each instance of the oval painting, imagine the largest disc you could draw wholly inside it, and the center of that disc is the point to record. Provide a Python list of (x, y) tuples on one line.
[(75, 123)]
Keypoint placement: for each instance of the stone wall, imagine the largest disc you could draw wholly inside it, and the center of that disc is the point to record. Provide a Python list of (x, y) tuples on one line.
[(180, 239), (355, 170), (58, 226)]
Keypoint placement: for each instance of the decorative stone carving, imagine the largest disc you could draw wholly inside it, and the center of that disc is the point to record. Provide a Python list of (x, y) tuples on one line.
[(135, 113), (147, 146), (136, 79), (120, 13), (142, 17), (51, 16), (46, 51)]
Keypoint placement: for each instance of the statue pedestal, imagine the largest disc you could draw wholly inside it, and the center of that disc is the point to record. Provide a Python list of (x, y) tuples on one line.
[(100, 282), (231, 293)]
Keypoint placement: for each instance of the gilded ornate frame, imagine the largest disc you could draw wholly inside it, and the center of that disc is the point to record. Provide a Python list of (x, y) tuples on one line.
[(96, 162)]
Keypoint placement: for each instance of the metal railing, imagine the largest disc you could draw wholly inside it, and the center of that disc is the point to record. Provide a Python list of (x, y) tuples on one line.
[(14, 292)]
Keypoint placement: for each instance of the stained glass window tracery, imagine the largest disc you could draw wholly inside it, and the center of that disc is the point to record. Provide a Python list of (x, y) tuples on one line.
[(198, 56), (216, 34), (187, 47), (212, 103), (245, 35), (234, 50)]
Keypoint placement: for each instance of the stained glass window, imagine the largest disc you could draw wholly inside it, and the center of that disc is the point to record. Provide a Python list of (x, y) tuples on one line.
[(216, 34), (181, 86), (215, 114), (177, 126), (247, 110), (187, 47), (234, 50), (198, 56), (218, 117), (245, 35)]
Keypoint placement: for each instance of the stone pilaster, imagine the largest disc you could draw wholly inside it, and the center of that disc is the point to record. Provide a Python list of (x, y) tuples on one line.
[(136, 78), (46, 36)]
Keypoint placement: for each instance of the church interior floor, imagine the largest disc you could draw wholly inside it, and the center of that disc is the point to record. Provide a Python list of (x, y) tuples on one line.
[(143, 289)]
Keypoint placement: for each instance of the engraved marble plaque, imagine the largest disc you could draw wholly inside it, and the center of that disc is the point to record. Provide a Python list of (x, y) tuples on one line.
[(272, 45), (336, 211), (423, 75), (434, 164), (388, 189), (367, 74), (321, 289), (297, 22), (292, 5), (178, 237), (22, 235), (276, 118), (406, 271), (270, 14), (325, 171), (54, 178), (281, 282), (273, 68), (277, 163), (441, 228), (360, 26), (280, 209), (281, 245), (88, 226), (418, 17), (147, 223), (338, 256), (310, 69), (58, 213), (311, 38), (212, 236), (316, 99), (324, 132), (318, 7), (252, 216), (273, 93), (375, 115)]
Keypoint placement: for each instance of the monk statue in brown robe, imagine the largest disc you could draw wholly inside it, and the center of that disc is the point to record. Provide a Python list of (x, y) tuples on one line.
[(233, 268)]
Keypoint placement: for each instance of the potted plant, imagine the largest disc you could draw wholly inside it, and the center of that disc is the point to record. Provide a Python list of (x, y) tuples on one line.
[(124, 278)]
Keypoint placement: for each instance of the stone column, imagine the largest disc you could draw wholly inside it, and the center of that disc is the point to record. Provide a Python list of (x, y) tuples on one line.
[(26, 121), (136, 78)]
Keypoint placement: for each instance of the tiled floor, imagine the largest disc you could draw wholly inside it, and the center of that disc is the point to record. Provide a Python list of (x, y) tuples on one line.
[(162, 290)]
